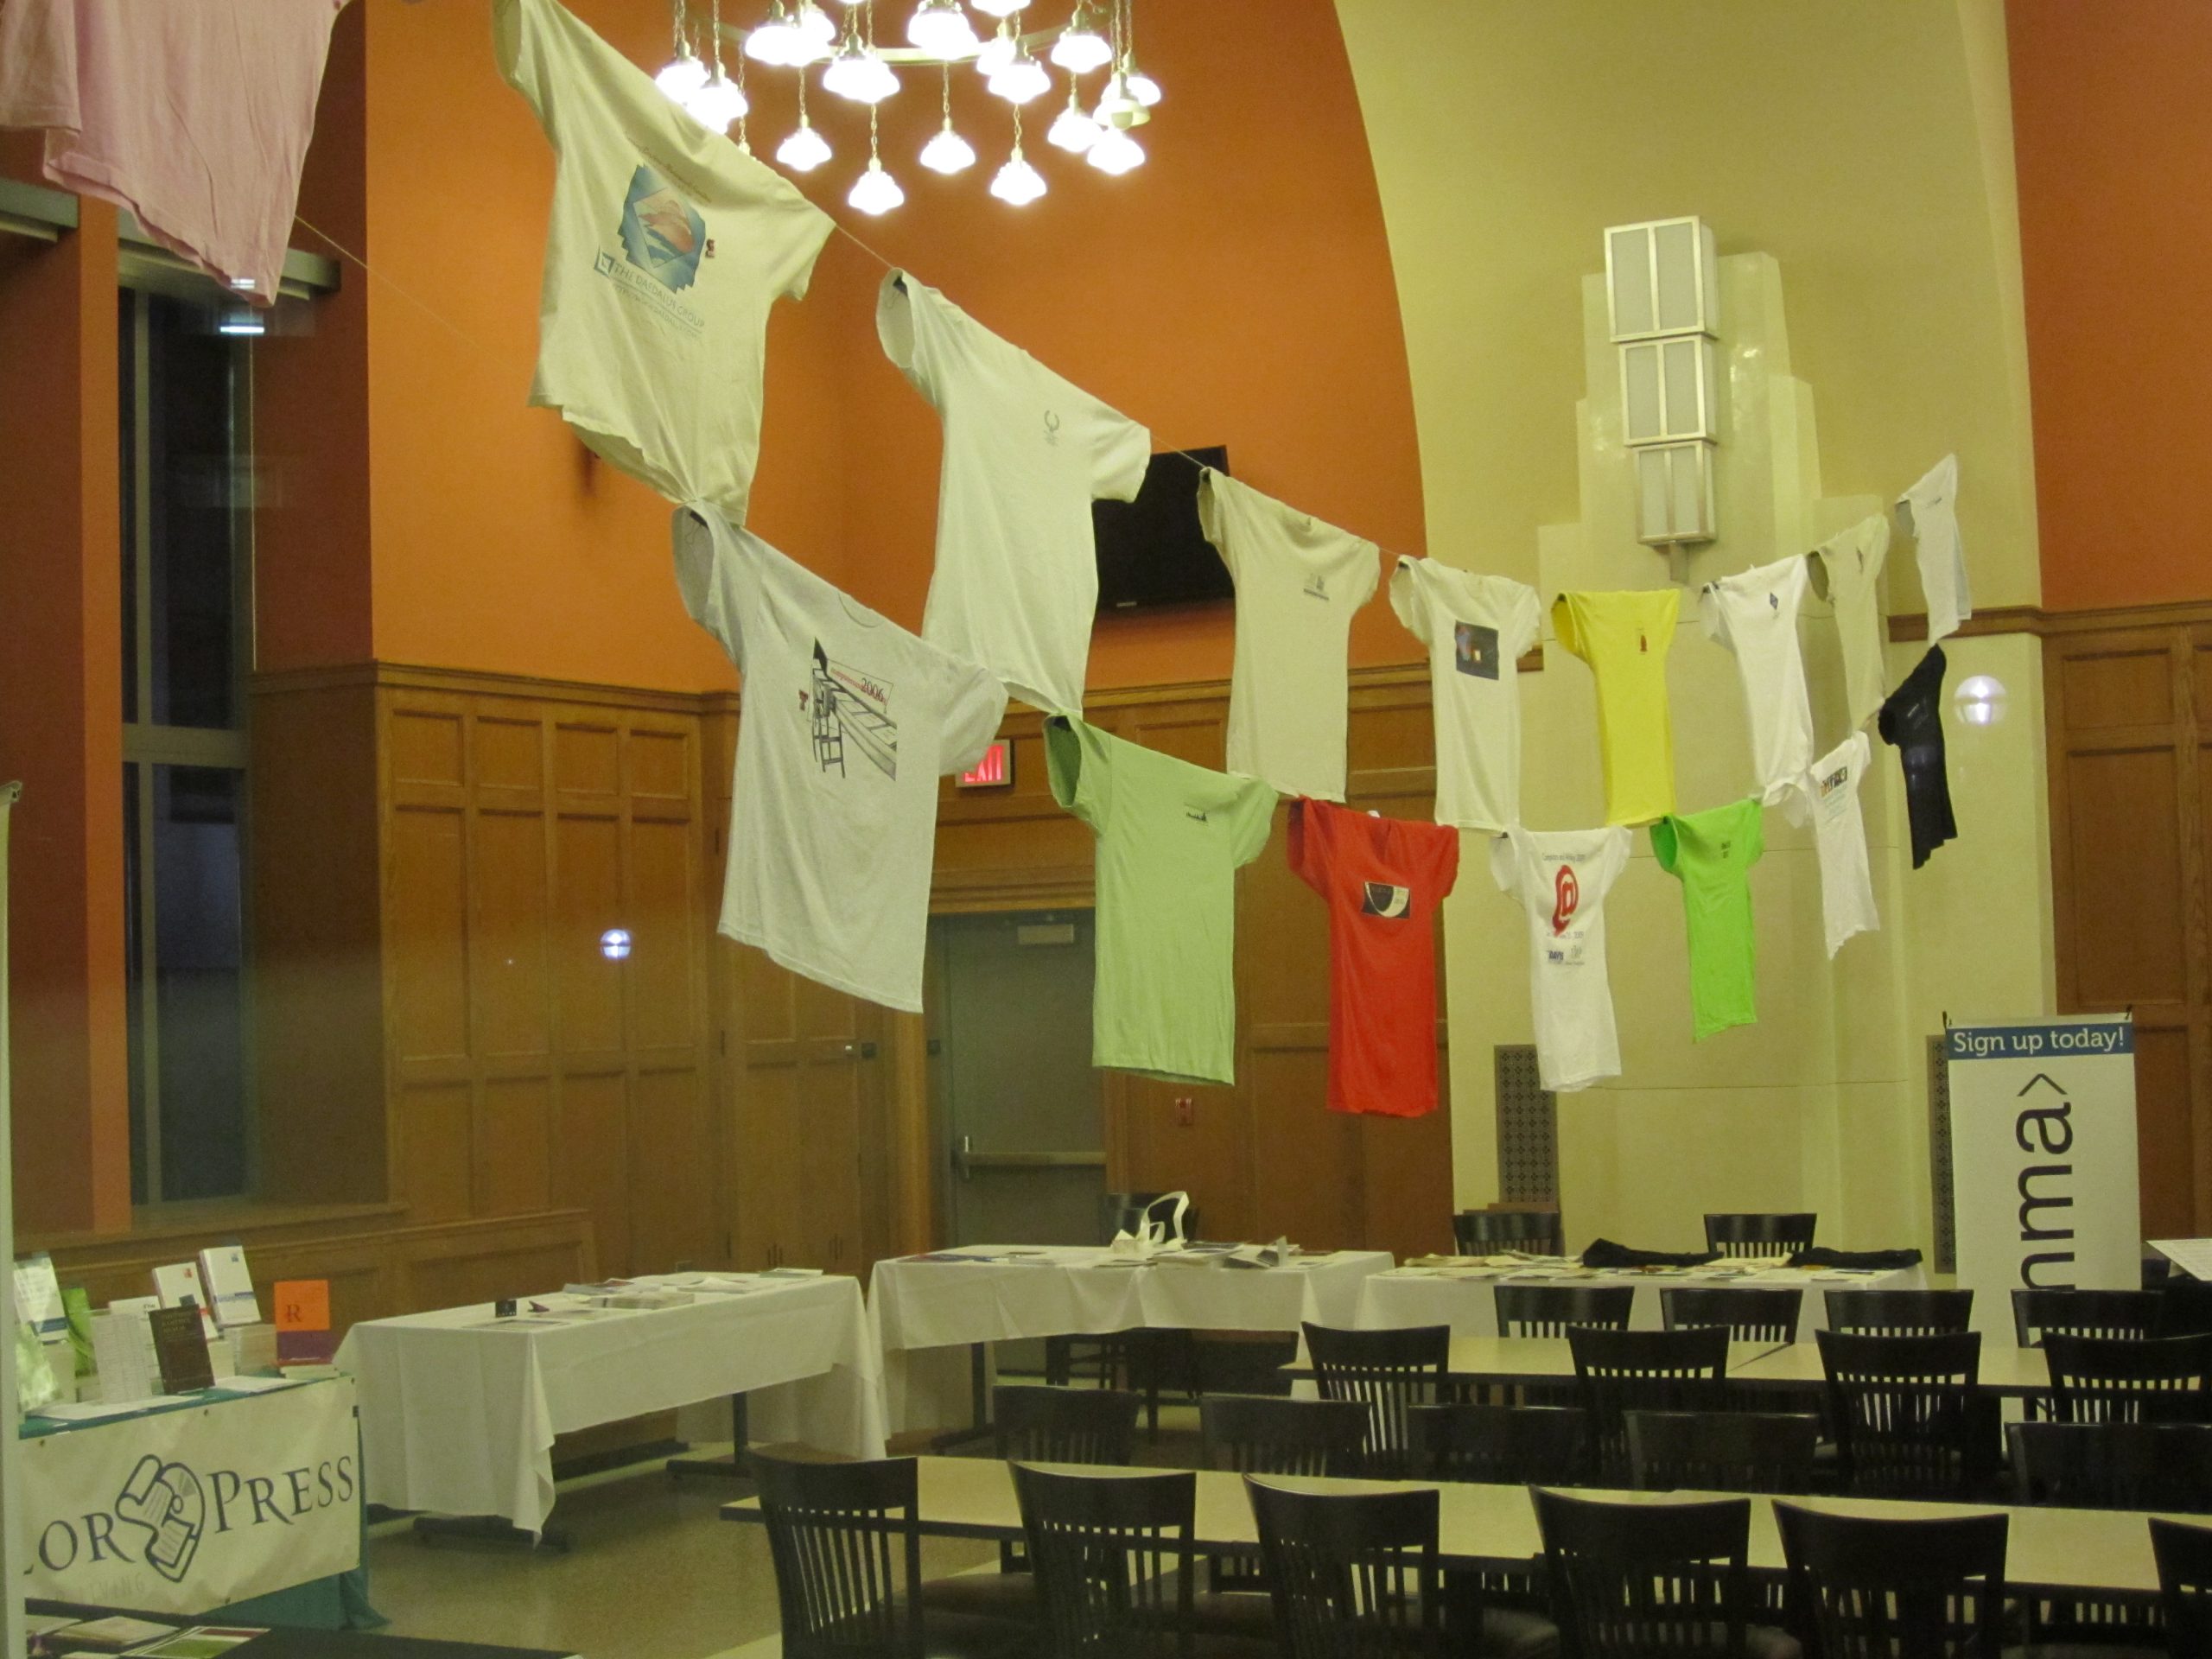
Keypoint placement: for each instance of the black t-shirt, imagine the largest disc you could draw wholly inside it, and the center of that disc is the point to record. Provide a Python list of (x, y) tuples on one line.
[(1912, 719)]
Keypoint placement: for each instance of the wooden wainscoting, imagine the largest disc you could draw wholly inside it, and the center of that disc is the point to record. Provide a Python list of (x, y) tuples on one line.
[(2129, 702)]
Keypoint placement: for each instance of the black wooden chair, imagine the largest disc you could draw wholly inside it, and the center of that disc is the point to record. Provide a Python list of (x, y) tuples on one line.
[(1387, 1372), (2084, 1313), (2129, 1379), (1900, 1312), (1722, 1451), (1881, 1589), (847, 1555), (1352, 1574), (1633, 1581), (1149, 1358), (1548, 1310), (2113, 1465), (1488, 1232), (2184, 1557), (1620, 1372), (1501, 1446), (1738, 1233), (1903, 1412), (1747, 1315), (1266, 1434)]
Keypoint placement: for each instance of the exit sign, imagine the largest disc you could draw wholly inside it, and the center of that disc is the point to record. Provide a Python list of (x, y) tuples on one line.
[(994, 771)]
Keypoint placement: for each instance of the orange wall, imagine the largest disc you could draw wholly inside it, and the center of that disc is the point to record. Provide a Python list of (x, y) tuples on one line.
[(2111, 109)]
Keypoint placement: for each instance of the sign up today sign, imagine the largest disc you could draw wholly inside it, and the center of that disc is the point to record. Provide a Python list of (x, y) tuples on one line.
[(2043, 1158)]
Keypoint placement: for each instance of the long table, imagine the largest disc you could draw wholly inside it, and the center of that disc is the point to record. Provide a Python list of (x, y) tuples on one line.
[(460, 1408), (2102, 1552), (1467, 1298)]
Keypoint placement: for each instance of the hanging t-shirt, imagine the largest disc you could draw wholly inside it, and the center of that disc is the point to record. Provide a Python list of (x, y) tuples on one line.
[(848, 720), (1298, 582), (1561, 879), (666, 247), (1170, 839), (1912, 721), (1828, 794), (193, 117), (1476, 628), (1624, 638), (1754, 613), (1382, 879), (1849, 577), (1929, 511), (1026, 454), (1711, 853)]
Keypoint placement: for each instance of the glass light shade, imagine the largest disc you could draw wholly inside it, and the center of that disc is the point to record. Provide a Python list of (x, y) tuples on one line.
[(804, 150), (717, 103), (875, 192), (998, 8), (778, 43), (1018, 184), (1079, 51), (1143, 86), (1022, 79), (940, 28), (1118, 106), (1980, 700), (1074, 132), (683, 76), (1116, 152), (997, 53), (861, 75), (947, 152), (816, 24)]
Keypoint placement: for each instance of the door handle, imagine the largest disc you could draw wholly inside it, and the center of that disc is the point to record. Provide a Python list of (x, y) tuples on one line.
[(859, 1050), (966, 1159)]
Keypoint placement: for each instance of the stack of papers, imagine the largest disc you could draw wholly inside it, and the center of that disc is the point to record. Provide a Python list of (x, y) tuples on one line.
[(123, 1353)]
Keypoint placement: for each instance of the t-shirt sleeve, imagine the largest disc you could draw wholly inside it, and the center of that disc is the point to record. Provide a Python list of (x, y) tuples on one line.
[(1076, 764), (1666, 845), (1406, 599), (518, 29), (975, 705), (1754, 834), (707, 582), (1120, 451), (800, 229), (1609, 862), (1525, 625), (910, 336), (1213, 517), (1713, 615), (1442, 861), (1254, 820), (1370, 572), (1309, 830), (38, 65), (1564, 625)]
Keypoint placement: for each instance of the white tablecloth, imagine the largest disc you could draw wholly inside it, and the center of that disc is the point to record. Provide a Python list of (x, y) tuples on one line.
[(459, 1412), (1468, 1304), (916, 1304)]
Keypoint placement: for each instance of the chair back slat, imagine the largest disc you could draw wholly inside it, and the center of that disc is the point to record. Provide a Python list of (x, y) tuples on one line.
[(1037, 1424), (1619, 1371), (1549, 1310), (1106, 1551), (1899, 1313), (1352, 1574), (1747, 1315), (1266, 1434), (2084, 1313), (1632, 1581), (846, 1550), (2184, 1556), (2129, 1379), (1738, 1233), (2113, 1465), (1903, 1411), (1486, 1232), (1387, 1372), (1721, 1451), (1501, 1446), (1897, 1589)]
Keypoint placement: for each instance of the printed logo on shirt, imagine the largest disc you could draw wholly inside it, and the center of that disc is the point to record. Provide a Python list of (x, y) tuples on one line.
[(1317, 587), (1381, 899), (1566, 898), (1836, 780), (1774, 601), (1052, 428), (1643, 642), (663, 233), (1474, 650), (849, 711), (1195, 817)]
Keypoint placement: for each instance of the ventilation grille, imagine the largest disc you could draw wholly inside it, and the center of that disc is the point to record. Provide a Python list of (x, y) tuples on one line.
[(1939, 1157), (1528, 1128)]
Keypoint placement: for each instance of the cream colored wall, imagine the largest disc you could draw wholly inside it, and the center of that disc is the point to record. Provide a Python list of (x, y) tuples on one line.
[(1864, 145)]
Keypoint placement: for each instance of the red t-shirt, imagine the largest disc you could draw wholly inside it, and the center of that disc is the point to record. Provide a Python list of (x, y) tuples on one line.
[(1383, 879)]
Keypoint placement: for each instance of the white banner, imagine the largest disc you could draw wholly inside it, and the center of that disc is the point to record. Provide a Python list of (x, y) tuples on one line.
[(186, 1511), (2043, 1158)]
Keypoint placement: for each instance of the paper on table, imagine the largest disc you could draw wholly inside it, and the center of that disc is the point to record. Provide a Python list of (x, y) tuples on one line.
[(2192, 1255), (255, 1384), (38, 1296)]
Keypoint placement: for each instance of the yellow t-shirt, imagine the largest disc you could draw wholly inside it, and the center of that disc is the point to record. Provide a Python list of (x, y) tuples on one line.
[(1624, 638)]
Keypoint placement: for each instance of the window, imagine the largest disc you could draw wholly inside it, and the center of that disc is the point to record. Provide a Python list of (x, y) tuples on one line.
[(186, 645)]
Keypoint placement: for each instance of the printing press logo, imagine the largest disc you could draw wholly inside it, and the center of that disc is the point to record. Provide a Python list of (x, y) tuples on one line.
[(849, 711), (164, 1502), (1566, 898), (663, 233)]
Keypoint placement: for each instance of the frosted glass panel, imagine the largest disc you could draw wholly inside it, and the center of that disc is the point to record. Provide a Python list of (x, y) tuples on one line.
[(1642, 393), (1680, 281), (1685, 407), (1628, 263)]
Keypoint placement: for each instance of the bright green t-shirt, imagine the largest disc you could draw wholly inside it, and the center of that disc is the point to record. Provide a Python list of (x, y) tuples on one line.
[(1713, 853), (1171, 838)]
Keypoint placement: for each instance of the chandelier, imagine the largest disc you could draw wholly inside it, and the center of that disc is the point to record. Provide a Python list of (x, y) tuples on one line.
[(1014, 63)]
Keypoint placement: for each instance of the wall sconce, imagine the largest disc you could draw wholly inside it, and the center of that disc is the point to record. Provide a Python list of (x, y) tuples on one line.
[(1662, 297)]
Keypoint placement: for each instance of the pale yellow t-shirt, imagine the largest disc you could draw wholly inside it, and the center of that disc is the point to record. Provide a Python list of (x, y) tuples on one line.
[(1624, 638)]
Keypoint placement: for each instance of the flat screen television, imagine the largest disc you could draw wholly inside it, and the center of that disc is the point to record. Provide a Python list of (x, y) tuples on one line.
[(1151, 552)]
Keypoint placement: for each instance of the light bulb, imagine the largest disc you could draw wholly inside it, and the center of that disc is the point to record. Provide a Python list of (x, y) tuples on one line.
[(684, 75), (998, 8), (1118, 106), (717, 103), (1074, 132), (875, 192), (947, 152), (1022, 79), (1080, 50), (940, 28), (1116, 152), (778, 42), (1143, 86), (804, 150), (997, 53), (860, 74), (1018, 184)]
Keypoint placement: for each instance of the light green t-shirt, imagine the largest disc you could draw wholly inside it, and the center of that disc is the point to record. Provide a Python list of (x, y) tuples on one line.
[(1171, 838), (1713, 853)]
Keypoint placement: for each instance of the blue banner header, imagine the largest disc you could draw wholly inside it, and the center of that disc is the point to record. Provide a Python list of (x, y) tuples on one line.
[(2039, 1042)]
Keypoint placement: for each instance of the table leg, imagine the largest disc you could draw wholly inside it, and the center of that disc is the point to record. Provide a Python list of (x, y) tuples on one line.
[(733, 1467), (979, 1402)]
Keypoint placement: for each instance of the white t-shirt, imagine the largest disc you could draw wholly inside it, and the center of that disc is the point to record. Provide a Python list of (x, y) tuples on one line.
[(847, 720), (1828, 794), (1561, 879), (1025, 455), (1298, 582), (666, 247), (1929, 513), (1851, 567), (1754, 613), (1476, 628)]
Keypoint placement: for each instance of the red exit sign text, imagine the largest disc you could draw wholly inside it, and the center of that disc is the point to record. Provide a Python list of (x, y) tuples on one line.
[(994, 771)]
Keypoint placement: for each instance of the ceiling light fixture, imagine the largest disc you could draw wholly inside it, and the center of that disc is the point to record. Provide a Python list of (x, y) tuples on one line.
[(1081, 47), (717, 101), (1116, 152), (875, 193), (805, 150), (1000, 8), (1022, 79), (1074, 132), (940, 28), (1018, 184), (947, 152)]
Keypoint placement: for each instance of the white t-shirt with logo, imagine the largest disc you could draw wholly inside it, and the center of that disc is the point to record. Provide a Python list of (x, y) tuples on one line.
[(1851, 569), (1828, 794), (666, 247), (1929, 513), (1754, 613), (1561, 879), (847, 720), (1298, 582), (1476, 628), (1026, 454)]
